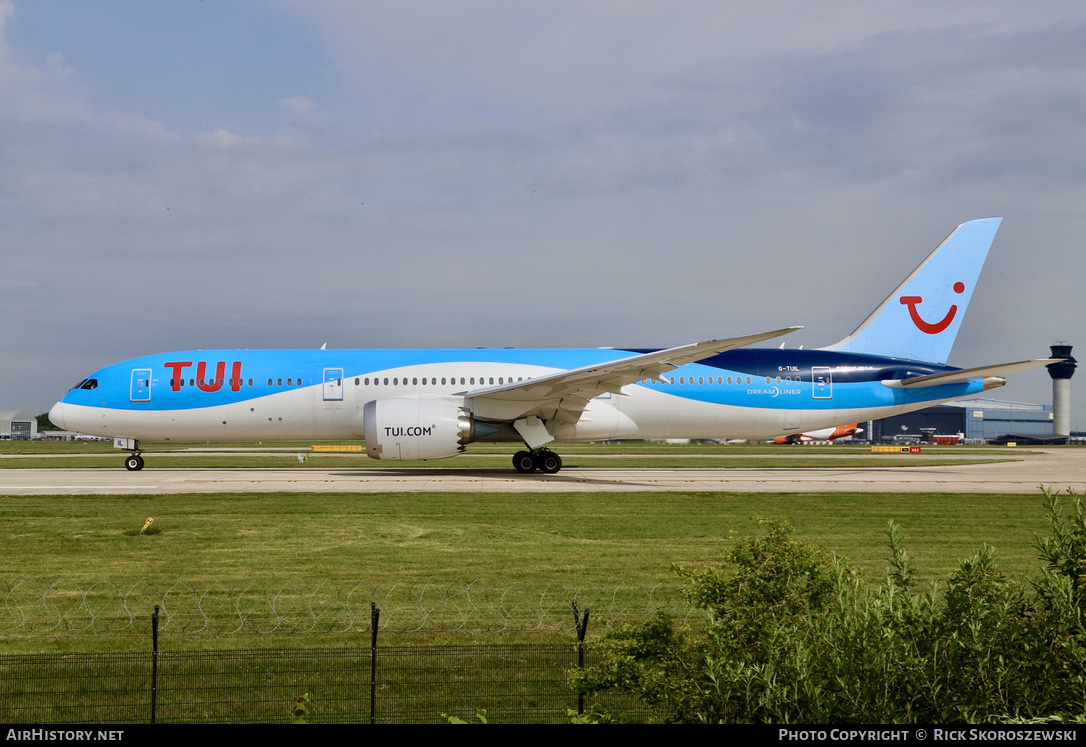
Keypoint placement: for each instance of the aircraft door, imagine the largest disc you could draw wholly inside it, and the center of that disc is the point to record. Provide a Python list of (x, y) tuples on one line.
[(333, 384), (141, 385), (822, 381)]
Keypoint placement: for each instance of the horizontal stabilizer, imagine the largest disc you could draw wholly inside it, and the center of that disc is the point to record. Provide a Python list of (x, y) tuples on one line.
[(968, 374)]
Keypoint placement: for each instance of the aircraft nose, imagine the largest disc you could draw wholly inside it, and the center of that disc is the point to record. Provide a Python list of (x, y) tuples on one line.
[(56, 416)]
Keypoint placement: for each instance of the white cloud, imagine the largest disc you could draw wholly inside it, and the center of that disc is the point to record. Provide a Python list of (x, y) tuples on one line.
[(138, 125), (12, 76), (298, 104), (646, 172), (572, 61), (223, 139), (57, 67)]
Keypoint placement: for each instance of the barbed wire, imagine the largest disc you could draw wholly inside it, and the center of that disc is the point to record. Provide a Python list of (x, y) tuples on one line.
[(67, 605)]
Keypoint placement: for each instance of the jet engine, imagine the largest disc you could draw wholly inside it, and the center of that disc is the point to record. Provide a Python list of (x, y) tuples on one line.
[(408, 428)]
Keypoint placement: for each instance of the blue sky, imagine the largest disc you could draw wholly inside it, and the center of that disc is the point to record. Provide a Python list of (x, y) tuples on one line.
[(482, 173)]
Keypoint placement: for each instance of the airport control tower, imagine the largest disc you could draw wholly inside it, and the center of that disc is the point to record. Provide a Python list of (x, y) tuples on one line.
[(1061, 374)]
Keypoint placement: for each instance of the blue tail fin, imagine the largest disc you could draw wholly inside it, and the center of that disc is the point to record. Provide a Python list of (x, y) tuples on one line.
[(921, 318)]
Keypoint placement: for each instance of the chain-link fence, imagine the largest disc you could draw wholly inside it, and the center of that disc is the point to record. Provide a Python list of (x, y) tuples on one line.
[(521, 683), (31, 606)]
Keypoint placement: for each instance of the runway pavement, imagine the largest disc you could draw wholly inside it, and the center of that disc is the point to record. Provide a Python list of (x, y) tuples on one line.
[(1057, 468)]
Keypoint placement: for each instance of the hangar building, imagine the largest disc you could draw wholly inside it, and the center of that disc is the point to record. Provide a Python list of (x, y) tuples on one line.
[(17, 425), (975, 419)]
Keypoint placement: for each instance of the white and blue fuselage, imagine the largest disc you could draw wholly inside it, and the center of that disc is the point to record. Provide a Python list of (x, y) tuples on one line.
[(428, 404), (274, 395)]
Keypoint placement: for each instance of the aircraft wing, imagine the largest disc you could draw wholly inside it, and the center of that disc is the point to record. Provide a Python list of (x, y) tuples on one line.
[(563, 395), (969, 374)]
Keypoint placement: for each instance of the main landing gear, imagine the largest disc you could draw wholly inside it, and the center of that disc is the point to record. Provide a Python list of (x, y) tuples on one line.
[(134, 463), (543, 460)]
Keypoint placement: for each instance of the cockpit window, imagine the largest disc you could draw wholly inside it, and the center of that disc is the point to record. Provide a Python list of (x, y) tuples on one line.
[(89, 384), (81, 383)]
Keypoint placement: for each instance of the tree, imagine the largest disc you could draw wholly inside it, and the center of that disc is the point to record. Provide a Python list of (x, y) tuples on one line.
[(792, 634)]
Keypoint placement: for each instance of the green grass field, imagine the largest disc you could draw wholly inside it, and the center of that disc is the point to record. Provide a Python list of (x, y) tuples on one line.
[(506, 538), (297, 571), (622, 448), (317, 546), (432, 555), (627, 455), (574, 461)]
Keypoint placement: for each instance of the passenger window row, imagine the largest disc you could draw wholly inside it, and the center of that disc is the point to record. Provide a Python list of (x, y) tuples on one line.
[(720, 380), (433, 380), (463, 380)]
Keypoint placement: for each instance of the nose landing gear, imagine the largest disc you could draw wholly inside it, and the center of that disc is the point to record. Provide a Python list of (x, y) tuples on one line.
[(543, 460), (133, 463)]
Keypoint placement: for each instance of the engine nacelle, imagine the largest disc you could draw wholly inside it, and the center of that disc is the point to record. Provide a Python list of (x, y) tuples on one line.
[(408, 428)]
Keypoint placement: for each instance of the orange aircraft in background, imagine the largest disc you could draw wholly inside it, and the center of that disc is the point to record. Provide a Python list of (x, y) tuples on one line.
[(825, 434)]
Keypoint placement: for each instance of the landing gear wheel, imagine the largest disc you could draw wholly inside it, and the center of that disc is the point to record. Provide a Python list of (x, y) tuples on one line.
[(524, 462), (133, 463), (548, 462)]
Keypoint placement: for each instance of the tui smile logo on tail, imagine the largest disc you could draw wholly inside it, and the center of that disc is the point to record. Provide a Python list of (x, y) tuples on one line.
[(928, 327)]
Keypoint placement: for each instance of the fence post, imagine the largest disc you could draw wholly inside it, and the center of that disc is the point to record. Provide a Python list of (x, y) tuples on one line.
[(581, 623), (154, 662), (375, 615)]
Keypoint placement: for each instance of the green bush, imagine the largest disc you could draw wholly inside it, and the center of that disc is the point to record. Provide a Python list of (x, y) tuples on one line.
[(793, 634)]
